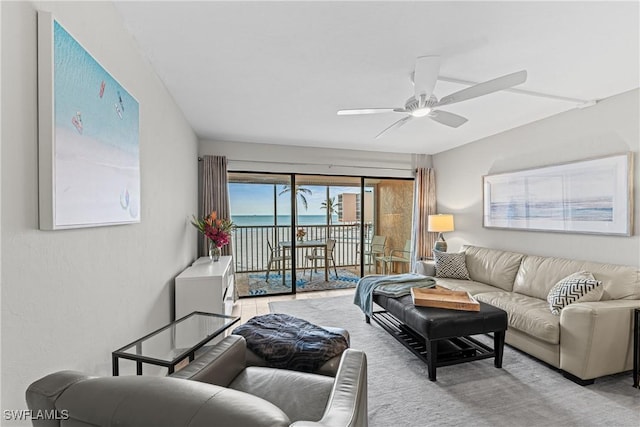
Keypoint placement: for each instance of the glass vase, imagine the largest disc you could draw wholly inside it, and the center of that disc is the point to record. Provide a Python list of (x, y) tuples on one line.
[(214, 252)]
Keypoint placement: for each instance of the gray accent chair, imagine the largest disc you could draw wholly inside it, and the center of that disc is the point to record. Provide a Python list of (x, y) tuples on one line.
[(218, 388)]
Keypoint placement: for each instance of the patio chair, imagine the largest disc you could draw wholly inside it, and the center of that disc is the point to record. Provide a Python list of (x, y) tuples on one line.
[(396, 255), (275, 256), (317, 254), (376, 248)]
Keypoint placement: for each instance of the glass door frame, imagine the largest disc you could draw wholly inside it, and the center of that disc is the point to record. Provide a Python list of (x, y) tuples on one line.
[(294, 219)]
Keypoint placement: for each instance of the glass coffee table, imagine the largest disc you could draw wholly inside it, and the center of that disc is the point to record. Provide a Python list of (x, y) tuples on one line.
[(173, 343)]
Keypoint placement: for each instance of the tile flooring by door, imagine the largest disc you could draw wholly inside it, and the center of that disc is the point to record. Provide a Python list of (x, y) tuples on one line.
[(246, 308)]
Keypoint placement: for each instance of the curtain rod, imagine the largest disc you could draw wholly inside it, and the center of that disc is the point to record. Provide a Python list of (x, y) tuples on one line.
[(317, 164)]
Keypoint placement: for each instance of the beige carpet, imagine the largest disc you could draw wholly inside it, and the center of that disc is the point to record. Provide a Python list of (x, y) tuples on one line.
[(525, 392)]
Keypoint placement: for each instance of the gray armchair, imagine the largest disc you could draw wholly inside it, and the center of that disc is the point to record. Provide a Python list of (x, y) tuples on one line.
[(218, 388)]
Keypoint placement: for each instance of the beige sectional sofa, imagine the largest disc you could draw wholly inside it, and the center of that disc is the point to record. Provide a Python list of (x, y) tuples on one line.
[(587, 340)]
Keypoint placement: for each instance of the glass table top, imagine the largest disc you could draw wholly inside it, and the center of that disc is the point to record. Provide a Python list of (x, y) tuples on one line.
[(177, 339)]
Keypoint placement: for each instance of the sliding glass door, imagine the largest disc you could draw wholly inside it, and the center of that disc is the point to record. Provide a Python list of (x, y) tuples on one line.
[(261, 210), (320, 232), (329, 218), (389, 238)]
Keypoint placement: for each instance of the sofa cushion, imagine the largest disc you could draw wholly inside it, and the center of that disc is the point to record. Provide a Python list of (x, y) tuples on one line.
[(470, 286), (527, 314), (288, 342), (302, 396), (492, 266), (330, 367), (537, 275), (450, 265), (578, 287)]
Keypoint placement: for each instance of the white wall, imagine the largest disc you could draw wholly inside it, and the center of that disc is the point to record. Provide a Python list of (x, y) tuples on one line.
[(245, 156), (610, 127), (69, 298), (0, 209)]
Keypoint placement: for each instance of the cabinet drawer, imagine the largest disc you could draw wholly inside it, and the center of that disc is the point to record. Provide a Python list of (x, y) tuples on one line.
[(203, 287)]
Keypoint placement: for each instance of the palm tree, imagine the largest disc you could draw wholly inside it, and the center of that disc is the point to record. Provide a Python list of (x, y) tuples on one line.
[(331, 206), (300, 194)]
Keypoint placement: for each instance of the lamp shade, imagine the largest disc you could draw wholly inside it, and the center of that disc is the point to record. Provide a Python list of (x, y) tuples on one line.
[(440, 223)]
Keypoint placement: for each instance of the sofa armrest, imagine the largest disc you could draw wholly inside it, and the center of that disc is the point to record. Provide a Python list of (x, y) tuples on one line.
[(218, 366), (347, 405), (426, 268), (596, 338), (134, 401)]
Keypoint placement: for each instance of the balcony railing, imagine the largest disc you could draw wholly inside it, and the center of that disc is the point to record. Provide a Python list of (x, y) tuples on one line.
[(251, 252)]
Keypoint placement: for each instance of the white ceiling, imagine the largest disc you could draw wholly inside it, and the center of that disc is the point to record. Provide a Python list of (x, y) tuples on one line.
[(277, 72)]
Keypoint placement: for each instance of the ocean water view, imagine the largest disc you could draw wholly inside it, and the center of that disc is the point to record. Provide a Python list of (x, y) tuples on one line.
[(248, 220)]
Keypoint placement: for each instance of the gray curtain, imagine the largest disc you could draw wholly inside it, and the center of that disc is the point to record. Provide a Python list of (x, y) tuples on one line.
[(424, 204), (215, 194)]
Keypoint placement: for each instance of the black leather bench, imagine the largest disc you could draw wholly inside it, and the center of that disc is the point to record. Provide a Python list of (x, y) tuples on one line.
[(442, 337)]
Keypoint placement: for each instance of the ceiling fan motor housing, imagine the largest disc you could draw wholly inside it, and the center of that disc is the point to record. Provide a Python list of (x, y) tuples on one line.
[(413, 104)]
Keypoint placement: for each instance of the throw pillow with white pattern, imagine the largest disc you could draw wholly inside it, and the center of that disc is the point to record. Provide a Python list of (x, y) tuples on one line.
[(450, 265), (578, 287)]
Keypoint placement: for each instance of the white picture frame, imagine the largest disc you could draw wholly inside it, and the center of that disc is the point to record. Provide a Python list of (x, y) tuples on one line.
[(88, 137), (593, 196)]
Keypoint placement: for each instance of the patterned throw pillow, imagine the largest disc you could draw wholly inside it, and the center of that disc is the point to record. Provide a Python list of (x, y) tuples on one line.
[(578, 287), (450, 265)]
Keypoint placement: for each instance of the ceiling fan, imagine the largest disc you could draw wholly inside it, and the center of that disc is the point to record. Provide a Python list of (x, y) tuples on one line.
[(423, 103)]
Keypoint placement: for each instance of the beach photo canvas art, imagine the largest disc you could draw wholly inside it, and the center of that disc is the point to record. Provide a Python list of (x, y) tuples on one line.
[(590, 196), (89, 160)]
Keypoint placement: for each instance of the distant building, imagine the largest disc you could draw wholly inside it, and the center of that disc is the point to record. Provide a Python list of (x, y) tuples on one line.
[(349, 207)]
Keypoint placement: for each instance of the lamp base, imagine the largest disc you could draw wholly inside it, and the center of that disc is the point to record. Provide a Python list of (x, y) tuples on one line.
[(440, 246)]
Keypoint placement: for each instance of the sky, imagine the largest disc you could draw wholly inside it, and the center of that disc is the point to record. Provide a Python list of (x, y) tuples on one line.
[(257, 199)]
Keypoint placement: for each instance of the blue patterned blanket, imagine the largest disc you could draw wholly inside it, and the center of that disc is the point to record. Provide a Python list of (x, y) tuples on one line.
[(289, 342), (393, 286)]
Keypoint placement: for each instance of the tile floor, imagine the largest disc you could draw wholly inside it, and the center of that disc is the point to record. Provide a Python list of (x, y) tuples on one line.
[(246, 308)]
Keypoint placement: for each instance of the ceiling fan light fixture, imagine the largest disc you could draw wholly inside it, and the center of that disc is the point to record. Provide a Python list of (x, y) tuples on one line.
[(421, 112)]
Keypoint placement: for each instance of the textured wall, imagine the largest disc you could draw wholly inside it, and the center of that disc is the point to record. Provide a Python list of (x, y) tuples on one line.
[(395, 210), (71, 297)]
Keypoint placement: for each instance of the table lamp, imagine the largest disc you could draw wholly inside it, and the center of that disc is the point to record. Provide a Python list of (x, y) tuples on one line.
[(439, 224)]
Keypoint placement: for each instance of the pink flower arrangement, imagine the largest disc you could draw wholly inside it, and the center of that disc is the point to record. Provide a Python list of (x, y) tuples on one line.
[(217, 230)]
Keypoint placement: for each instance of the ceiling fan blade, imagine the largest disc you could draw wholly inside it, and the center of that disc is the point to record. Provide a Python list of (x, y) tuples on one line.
[(425, 76), (485, 88), (395, 125), (446, 118), (366, 111)]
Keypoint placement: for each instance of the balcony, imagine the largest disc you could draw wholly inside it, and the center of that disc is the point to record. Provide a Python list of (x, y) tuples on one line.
[(251, 252)]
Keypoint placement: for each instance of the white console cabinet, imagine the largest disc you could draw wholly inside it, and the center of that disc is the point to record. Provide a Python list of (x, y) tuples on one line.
[(205, 286)]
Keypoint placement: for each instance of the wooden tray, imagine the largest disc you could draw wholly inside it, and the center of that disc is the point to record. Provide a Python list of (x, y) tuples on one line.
[(444, 298)]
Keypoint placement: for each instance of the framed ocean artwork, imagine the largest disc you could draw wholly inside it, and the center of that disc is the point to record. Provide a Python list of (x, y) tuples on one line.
[(589, 196), (88, 138)]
